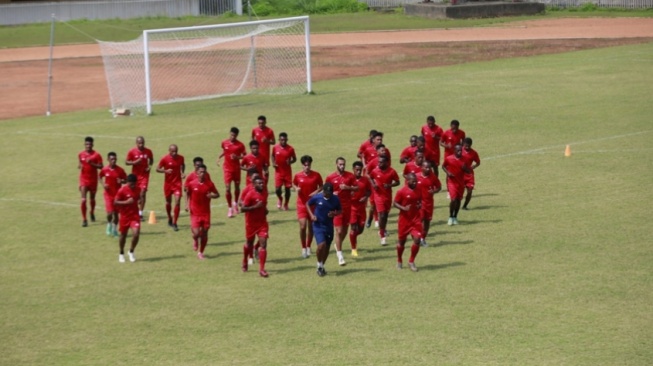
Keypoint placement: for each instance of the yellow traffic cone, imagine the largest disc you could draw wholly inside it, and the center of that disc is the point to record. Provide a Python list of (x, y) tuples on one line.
[(152, 219), (568, 151)]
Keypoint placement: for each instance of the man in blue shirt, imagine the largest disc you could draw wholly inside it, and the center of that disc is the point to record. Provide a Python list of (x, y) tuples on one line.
[(322, 207)]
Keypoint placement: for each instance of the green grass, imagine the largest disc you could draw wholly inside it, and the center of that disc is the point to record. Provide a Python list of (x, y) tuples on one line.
[(552, 265), (84, 31)]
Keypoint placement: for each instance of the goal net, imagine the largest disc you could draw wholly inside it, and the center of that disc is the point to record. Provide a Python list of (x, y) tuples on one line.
[(202, 62)]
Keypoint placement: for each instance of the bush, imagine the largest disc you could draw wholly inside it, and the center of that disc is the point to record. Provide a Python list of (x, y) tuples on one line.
[(295, 7)]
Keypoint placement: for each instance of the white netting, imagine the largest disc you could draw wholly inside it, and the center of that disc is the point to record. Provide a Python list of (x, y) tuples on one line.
[(206, 62)]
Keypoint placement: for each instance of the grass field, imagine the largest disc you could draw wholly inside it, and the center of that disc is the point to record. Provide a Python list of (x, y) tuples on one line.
[(551, 265)]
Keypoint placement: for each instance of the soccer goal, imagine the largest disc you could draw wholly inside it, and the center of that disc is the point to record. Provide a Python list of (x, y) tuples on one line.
[(203, 62)]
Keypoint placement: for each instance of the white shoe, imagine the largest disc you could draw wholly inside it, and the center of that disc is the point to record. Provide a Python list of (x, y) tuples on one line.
[(376, 224), (383, 242), (230, 212), (250, 261), (422, 243), (455, 221), (121, 258), (341, 261), (235, 208), (304, 254), (131, 257), (450, 222), (308, 252)]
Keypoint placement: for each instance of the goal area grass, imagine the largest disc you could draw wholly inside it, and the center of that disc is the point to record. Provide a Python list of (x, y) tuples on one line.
[(551, 265)]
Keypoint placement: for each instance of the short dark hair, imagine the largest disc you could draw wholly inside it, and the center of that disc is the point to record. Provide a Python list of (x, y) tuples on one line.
[(284, 135), (253, 143), (198, 159), (88, 139), (234, 130), (357, 163), (262, 118), (132, 178), (306, 159), (340, 158), (455, 122), (468, 140), (430, 118), (202, 166), (112, 153), (380, 146)]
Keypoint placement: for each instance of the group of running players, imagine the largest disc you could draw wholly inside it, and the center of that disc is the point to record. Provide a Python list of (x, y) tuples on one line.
[(326, 209)]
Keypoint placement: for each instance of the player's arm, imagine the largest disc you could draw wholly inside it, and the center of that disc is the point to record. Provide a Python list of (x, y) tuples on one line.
[(213, 193), (161, 169), (132, 162)]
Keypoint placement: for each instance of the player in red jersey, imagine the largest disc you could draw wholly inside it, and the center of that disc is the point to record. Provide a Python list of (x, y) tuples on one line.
[(283, 156), (197, 161), (307, 183), (455, 168), (369, 166), (365, 145), (344, 184), (373, 151), (254, 205), (452, 137), (252, 175), (173, 166), (199, 193), (429, 184), (408, 201), (127, 203), (232, 151), (383, 178), (408, 153), (89, 162), (473, 161), (265, 137), (414, 166), (112, 177), (358, 205), (141, 159), (432, 134)]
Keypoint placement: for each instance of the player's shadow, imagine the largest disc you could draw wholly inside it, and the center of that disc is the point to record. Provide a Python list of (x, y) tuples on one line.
[(158, 259), (442, 243), (307, 268), (486, 207), (347, 270), (476, 195), (435, 267), (223, 243), (150, 233), (280, 221), (474, 222)]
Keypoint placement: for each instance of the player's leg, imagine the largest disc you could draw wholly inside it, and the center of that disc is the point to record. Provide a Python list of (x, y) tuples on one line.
[(228, 196), (414, 249), (177, 209), (468, 197), (136, 233), (262, 254), (277, 191), (84, 193), (92, 193), (195, 233), (303, 223), (141, 204), (234, 205), (204, 238), (340, 233), (247, 248), (286, 196), (168, 198), (400, 251), (122, 240)]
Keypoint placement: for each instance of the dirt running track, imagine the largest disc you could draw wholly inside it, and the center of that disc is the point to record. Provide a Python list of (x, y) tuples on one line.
[(79, 80)]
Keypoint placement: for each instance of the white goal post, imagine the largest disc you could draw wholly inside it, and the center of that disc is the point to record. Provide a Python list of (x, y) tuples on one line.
[(202, 62)]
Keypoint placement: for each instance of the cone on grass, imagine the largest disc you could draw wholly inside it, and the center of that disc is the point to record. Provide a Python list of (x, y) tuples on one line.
[(568, 151), (152, 219)]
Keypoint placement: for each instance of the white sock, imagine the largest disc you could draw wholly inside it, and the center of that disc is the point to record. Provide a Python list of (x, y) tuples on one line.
[(339, 253)]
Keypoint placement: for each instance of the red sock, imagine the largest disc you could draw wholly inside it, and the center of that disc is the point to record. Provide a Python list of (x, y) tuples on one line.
[(262, 255), (205, 240), (228, 196), (245, 253), (177, 209), (400, 253), (83, 207), (353, 239), (168, 209), (413, 253), (236, 195)]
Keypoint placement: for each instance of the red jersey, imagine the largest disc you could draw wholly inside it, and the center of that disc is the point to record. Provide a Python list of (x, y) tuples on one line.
[(128, 212), (471, 156), (408, 154), (256, 161), (88, 174), (364, 190), (411, 167), (193, 176), (140, 168), (383, 178), (233, 152), (413, 197), (175, 163), (258, 215), (346, 178), (432, 137), (371, 154), (455, 166), (361, 150), (428, 184), (449, 137), (307, 184), (264, 136), (199, 203), (281, 156), (113, 178)]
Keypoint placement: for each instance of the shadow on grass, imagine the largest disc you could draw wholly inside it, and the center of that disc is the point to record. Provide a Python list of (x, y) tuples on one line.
[(158, 259), (276, 221), (474, 222), (345, 271), (434, 267), (487, 207), (451, 242), (485, 194)]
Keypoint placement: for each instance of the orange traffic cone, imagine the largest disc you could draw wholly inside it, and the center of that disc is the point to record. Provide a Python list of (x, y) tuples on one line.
[(152, 219), (568, 151)]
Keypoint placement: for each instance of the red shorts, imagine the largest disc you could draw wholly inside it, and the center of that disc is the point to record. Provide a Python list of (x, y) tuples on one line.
[(143, 181), (413, 229), (302, 212), (469, 181), (172, 190), (456, 190), (108, 202), (128, 223), (200, 221), (358, 215), (344, 218), (231, 176), (282, 180), (427, 210), (260, 229), (90, 185), (382, 203)]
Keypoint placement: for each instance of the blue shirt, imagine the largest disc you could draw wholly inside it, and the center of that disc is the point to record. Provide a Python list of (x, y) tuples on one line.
[(322, 208)]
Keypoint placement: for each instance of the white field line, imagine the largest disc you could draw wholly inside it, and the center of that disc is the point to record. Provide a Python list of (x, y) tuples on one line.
[(66, 204)]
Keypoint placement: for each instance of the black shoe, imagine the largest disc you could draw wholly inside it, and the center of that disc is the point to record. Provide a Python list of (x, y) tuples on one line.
[(170, 223), (321, 272), (175, 227), (92, 217), (465, 208), (368, 224), (84, 223)]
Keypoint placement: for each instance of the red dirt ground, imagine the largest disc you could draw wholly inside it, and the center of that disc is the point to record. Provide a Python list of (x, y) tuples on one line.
[(79, 81)]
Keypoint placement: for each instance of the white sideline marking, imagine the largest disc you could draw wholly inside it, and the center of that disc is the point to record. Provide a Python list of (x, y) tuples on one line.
[(51, 203), (542, 149)]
